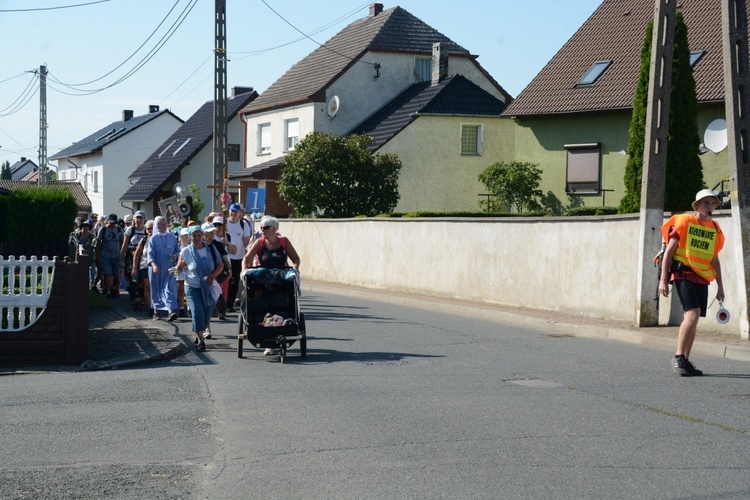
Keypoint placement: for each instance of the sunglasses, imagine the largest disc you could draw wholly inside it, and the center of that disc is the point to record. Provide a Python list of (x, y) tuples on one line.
[(265, 228)]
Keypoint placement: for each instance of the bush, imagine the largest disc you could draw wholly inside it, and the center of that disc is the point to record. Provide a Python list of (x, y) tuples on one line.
[(37, 221), (578, 211)]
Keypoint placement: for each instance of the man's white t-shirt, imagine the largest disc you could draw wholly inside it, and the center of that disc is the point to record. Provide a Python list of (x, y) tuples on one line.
[(236, 237)]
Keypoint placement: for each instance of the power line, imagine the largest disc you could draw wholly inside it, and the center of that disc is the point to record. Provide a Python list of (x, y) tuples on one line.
[(312, 39), (55, 8), (26, 95), (160, 44), (304, 37), (130, 56)]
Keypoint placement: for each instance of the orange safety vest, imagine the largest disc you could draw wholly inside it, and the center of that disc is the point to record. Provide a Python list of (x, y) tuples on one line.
[(699, 243)]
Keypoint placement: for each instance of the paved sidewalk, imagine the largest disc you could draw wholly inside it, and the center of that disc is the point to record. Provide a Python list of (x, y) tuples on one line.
[(122, 338)]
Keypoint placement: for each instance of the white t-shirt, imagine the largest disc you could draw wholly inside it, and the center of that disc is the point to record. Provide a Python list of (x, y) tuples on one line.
[(237, 237)]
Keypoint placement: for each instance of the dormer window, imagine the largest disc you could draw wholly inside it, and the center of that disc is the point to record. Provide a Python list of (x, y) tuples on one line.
[(696, 56), (594, 73)]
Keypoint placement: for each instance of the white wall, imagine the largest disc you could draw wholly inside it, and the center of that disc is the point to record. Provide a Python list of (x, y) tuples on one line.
[(121, 157), (583, 266)]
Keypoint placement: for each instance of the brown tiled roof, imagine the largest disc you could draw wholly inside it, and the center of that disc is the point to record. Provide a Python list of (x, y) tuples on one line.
[(393, 30), (75, 188), (615, 31)]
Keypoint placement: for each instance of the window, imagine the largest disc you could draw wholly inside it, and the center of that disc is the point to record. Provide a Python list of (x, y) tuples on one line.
[(696, 56), (264, 138), (422, 69), (168, 146), (96, 181), (594, 73), (583, 168), (471, 139), (181, 146), (292, 134), (233, 152)]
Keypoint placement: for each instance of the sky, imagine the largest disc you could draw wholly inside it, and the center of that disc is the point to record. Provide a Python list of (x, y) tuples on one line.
[(105, 56)]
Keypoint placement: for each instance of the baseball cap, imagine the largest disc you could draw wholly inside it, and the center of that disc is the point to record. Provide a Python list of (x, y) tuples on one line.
[(112, 217), (235, 206), (127, 218), (140, 213), (88, 223), (218, 219), (207, 227), (183, 231)]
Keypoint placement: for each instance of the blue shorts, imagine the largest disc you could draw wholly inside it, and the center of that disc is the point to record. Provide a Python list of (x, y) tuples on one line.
[(110, 266)]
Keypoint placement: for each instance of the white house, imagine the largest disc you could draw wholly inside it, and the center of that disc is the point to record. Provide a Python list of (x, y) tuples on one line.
[(103, 161)]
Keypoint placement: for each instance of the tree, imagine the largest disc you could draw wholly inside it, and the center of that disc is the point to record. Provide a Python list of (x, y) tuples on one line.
[(684, 172), (5, 171), (338, 177), (515, 183)]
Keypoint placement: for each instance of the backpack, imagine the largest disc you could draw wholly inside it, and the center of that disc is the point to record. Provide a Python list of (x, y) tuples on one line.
[(224, 274)]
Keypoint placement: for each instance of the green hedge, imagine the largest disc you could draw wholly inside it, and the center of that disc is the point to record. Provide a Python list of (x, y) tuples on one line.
[(591, 211), (36, 221)]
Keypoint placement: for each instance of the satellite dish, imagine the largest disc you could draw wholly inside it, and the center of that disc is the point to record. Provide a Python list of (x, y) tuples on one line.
[(84, 169), (332, 107), (715, 137), (178, 189)]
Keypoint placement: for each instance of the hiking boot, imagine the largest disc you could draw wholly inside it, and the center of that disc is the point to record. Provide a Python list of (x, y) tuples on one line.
[(684, 368)]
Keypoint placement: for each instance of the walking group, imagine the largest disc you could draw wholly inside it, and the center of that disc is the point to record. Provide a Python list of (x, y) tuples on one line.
[(187, 271)]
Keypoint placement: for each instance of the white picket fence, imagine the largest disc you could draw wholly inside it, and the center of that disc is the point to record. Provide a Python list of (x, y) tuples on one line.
[(25, 285)]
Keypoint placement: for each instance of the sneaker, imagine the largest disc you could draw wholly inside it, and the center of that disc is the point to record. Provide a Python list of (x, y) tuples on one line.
[(207, 333), (182, 313), (268, 352), (230, 310), (222, 317), (172, 316), (156, 316), (684, 368)]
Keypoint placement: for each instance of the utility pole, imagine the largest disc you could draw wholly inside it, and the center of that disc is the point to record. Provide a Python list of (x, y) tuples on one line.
[(737, 99), (220, 101), (42, 125), (655, 160)]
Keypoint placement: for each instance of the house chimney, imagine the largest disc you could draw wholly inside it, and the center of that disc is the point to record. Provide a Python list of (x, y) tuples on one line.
[(439, 63), (127, 114), (153, 108), (375, 9), (23, 158), (241, 90)]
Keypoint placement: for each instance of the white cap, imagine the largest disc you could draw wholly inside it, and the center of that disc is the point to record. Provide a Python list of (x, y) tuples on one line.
[(208, 227)]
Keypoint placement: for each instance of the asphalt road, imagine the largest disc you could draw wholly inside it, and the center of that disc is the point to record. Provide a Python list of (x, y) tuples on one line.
[(390, 402)]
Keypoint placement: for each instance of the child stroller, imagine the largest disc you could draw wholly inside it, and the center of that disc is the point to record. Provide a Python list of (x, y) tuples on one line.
[(270, 315)]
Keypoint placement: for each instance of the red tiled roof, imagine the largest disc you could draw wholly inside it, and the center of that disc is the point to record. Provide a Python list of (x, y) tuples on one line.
[(615, 31)]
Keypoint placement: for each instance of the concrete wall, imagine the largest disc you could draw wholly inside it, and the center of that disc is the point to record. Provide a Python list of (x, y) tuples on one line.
[(583, 266)]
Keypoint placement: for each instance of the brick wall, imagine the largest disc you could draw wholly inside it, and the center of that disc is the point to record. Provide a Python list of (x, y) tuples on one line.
[(60, 334)]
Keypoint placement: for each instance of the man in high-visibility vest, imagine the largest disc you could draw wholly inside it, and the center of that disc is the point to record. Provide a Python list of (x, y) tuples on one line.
[(691, 262)]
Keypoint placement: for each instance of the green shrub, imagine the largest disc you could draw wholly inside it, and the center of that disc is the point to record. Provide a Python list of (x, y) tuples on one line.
[(577, 211)]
